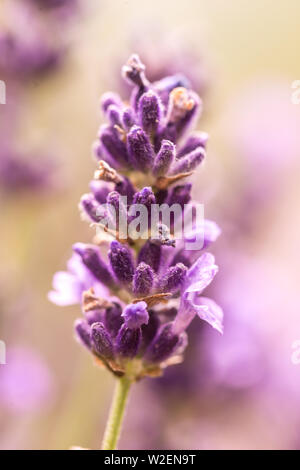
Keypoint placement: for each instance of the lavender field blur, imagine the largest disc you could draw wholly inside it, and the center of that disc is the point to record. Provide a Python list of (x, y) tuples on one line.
[(239, 390)]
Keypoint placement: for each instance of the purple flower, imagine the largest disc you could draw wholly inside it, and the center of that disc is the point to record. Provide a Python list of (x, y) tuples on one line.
[(121, 262), (139, 299), (28, 49), (143, 137), (53, 4), (68, 286), (143, 279), (95, 264), (136, 315), (26, 382), (124, 331), (18, 173), (198, 277)]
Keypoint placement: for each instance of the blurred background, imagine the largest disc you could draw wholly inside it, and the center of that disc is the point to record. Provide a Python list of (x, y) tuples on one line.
[(236, 391)]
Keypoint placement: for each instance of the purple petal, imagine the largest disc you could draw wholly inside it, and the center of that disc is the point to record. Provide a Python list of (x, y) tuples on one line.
[(209, 311), (200, 274), (66, 289), (135, 315), (68, 286), (211, 232), (198, 277)]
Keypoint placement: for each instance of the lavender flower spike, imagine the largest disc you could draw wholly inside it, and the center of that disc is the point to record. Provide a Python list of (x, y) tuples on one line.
[(138, 304), (143, 137)]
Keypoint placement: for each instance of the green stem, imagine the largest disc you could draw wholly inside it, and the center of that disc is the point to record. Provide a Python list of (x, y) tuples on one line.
[(116, 414)]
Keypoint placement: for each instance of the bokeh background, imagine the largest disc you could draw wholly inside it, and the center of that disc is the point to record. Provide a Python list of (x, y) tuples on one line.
[(239, 391)]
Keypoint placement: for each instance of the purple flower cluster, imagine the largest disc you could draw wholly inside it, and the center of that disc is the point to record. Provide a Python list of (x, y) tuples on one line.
[(142, 135), (18, 174), (36, 46), (19, 59), (138, 300), (32, 44), (52, 4)]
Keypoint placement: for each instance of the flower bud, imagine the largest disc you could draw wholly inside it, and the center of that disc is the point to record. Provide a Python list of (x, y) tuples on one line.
[(143, 279), (173, 278), (101, 341), (91, 208), (109, 99), (112, 319), (117, 213), (163, 345), (114, 115), (83, 332), (141, 154), (121, 262), (99, 190), (125, 188), (134, 71), (150, 254), (180, 195), (113, 145), (92, 260), (167, 84), (149, 111), (196, 140), (164, 158), (93, 316), (128, 118), (189, 162), (149, 331), (128, 341), (185, 107), (145, 197)]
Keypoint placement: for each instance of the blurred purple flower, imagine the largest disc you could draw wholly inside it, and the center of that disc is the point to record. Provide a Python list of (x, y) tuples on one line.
[(37, 45), (263, 132), (56, 4), (26, 383), (21, 59), (18, 173)]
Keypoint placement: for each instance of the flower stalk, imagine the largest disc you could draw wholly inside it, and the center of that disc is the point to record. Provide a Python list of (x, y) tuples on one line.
[(138, 298), (116, 414)]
